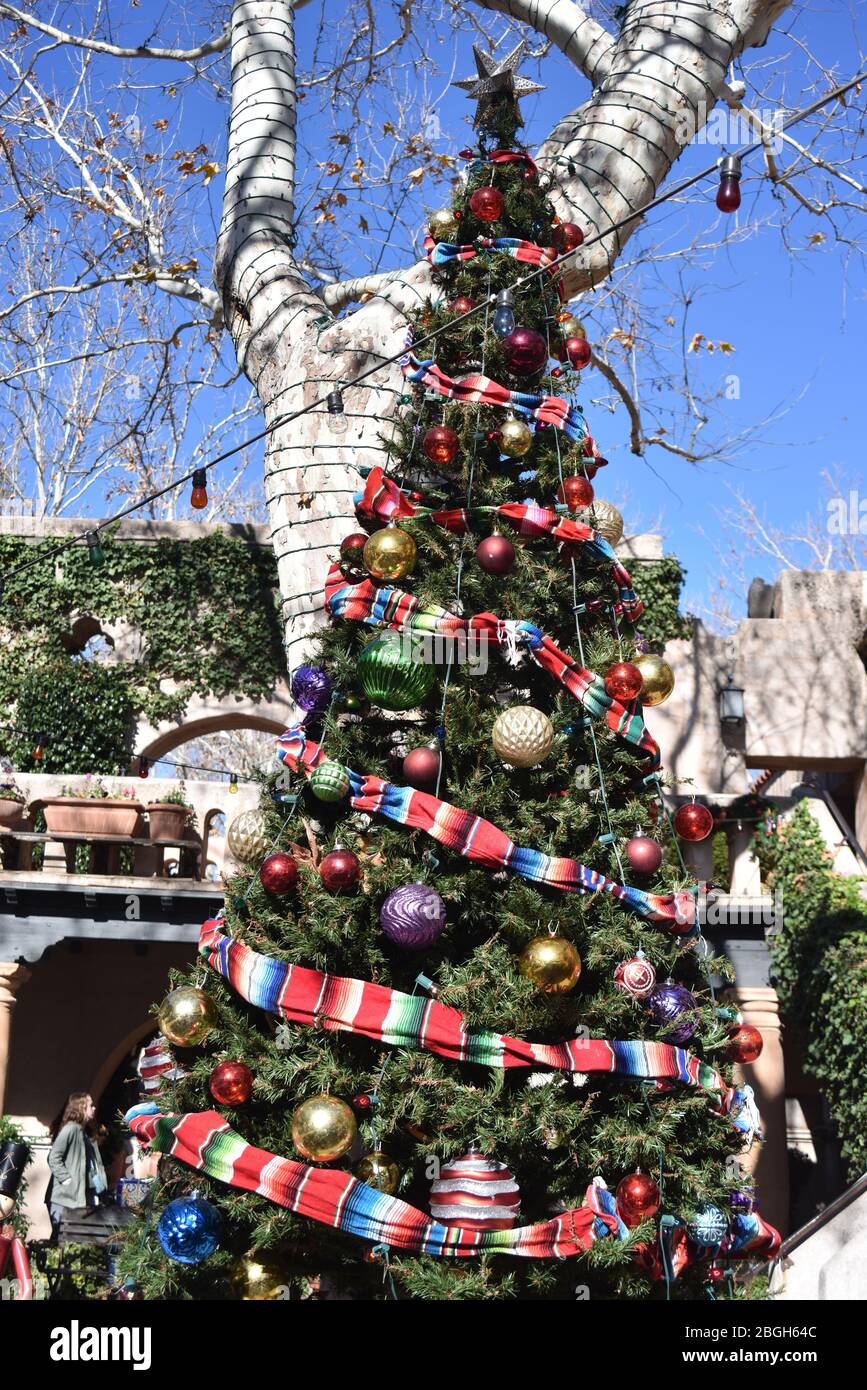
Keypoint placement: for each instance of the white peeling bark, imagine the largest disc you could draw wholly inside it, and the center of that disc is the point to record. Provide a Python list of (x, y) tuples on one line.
[(667, 65)]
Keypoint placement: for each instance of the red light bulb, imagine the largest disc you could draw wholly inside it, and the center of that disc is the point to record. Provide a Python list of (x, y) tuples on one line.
[(728, 198), (199, 498)]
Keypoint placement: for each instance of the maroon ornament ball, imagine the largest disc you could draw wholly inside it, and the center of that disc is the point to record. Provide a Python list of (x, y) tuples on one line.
[(440, 444), (496, 555), (525, 351), (231, 1083), (568, 237), (278, 873), (644, 854), (579, 352), (352, 549), (421, 767), (461, 305), (745, 1044), (487, 204), (623, 681), (638, 1197), (693, 822), (636, 976), (575, 492), (340, 870)]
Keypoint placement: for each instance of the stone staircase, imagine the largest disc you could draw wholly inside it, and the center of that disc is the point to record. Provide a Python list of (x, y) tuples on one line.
[(826, 1260)]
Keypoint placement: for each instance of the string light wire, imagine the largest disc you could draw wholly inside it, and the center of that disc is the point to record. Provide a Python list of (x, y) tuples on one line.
[(743, 152)]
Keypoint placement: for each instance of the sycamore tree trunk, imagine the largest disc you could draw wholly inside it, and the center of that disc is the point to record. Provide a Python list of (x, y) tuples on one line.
[(660, 75)]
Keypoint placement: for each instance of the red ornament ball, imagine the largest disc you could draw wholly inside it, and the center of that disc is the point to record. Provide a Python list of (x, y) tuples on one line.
[(575, 492), (461, 305), (623, 681), (693, 822), (644, 854), (638, 1197), (568, 236), (231, 1083), (421, 767), (525, 351), (278, 873), (636, 976), (745, 1044), (579, 352), (440, 444), (487, 204), (352, 549), (340, 870), (496, 555)]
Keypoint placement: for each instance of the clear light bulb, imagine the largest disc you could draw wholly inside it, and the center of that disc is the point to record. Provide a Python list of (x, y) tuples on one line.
[(337, 420)]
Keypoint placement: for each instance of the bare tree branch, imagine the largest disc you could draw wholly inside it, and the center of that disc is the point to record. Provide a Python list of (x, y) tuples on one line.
[(178, 55)]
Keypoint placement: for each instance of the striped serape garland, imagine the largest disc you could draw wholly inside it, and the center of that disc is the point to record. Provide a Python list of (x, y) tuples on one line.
[(441, 253), (483, 842), (384, 500), (334, 1004), (474, 388), (205, 1142), (381, 604)]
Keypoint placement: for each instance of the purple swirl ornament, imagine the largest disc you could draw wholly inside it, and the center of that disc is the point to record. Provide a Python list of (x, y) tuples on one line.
[(311, 689), (413, 916), (672, 1005)]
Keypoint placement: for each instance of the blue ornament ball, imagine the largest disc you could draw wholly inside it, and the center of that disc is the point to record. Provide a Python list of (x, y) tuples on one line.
[(189, 1230), (311, 689), (708, 1227)]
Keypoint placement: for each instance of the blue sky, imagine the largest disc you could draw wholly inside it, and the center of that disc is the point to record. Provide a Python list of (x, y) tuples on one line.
[(795, 317)]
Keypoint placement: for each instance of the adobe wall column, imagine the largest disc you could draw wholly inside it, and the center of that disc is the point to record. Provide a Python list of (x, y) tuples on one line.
[(12, 977), (768, 1161)]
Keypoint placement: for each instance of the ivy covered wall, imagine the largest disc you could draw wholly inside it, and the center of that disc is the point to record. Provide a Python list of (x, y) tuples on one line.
[(207, 615)]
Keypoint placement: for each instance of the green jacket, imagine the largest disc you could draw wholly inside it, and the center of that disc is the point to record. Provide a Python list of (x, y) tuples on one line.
[(68, 1163)]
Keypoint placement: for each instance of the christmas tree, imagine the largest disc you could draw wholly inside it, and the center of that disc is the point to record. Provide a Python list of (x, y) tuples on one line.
[(444, 1016)]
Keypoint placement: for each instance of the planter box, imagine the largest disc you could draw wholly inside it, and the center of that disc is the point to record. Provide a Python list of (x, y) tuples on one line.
[(90, 818), (11, 812), (167, 820)]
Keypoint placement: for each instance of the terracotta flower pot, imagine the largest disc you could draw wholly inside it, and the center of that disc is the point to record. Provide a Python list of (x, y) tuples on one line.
[(11, 812), (78, 815), (167, 820)]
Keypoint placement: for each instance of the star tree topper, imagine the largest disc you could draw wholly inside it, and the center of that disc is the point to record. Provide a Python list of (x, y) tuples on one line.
[(497, 78)]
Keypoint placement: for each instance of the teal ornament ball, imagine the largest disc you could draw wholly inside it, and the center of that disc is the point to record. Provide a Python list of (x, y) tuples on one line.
[(708, 1226), (329, 781), (393, 672)]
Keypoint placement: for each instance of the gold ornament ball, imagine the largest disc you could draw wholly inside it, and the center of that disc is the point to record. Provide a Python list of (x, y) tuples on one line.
[(573, 328), (605, 519), (390, 553), (247, 839), (379, 1171), (323, 1128), (552, 963), (258, 1279), (515, 439), (522, 736), (443, 225), (186, 1016), (657, 678)]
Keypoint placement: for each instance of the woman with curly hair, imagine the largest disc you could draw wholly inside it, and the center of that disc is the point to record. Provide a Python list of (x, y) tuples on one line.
[(77, 1174)]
